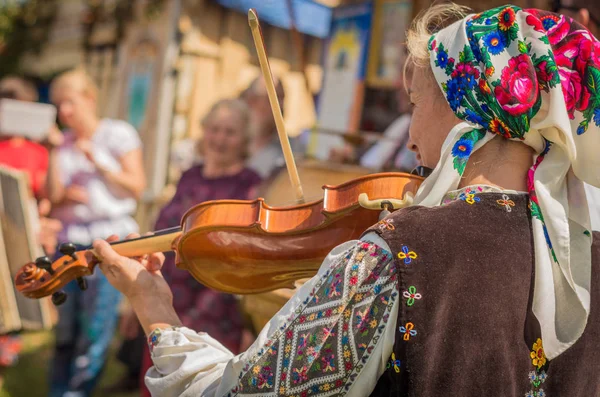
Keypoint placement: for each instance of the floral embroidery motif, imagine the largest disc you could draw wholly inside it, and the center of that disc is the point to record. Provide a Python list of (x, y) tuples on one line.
[(393, 363), (325, 343), (411, 294), (386, 224), (470, 198), (407, 255), (538, 357), (455, 194), (538, 376), (154, 338), (506, 202), (408, 330)]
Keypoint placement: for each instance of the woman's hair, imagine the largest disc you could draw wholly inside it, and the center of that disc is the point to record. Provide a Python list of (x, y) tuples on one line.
[(18, 88), (236, 106), (427, 23), (76, 78)]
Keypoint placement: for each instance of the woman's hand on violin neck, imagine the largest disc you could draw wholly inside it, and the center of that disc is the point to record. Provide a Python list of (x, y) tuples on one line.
[(132, 276), (140, 280)]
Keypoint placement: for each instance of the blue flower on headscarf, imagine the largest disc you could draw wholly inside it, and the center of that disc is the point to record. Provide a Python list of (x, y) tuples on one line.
[(494, 42), (442, 58), (462, 148), (597, 116), (474, 117), (474, 44), (454, 93)]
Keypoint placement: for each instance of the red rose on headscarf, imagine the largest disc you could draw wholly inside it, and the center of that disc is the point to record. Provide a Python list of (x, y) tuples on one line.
[(576, 95), (573, 58), (579, 50), (542, 72), (518, 91)]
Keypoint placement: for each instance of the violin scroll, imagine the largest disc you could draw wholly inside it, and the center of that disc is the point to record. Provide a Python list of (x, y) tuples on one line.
[(43, 277)]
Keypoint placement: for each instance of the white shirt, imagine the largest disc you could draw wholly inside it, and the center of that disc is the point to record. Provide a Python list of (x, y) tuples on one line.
[(189, 364), (109, 208)]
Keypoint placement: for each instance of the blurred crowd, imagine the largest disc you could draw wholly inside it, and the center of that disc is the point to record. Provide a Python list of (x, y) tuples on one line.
[(85, 180)]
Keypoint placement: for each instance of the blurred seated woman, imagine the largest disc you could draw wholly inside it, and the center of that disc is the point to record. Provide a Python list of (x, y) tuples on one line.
[(222, 174)]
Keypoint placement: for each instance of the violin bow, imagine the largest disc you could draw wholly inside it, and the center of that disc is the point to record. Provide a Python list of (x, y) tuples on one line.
[(268, 77)]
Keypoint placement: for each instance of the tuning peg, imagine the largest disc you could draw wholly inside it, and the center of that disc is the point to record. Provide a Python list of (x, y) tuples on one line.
[(82, 283), (59, 297), (68, 249), (43, 262)]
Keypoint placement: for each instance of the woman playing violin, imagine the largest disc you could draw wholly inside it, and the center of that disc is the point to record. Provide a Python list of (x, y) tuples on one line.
[(487, 286)]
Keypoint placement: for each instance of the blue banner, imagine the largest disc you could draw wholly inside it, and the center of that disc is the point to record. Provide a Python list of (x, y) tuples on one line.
[(311, 18)]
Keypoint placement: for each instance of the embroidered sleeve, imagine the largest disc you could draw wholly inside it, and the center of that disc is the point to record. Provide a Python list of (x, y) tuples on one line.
[(332, 338)]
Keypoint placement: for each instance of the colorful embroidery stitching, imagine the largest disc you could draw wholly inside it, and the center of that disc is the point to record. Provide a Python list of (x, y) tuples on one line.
[(393, 363), (407, 255), (329, 338), (470, 198), (506, 202), (538, 357), (386, 224), (538, 376), (408, 330), (410, 295), (154, 339)]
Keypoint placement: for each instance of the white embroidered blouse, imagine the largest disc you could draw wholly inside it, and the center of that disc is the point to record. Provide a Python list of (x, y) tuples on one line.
[(334, 336)]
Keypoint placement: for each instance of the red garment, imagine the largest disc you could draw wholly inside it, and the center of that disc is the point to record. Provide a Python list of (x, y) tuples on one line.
[(26, 156)]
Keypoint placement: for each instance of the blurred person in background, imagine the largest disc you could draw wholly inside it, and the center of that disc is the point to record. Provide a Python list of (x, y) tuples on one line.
[(18, 152), (94, 180), (587, 13), (222, 174), (31, 157), (266, 155)]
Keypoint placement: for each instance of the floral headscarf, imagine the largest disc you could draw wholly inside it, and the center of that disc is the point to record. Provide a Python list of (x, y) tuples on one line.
[(531, 76)]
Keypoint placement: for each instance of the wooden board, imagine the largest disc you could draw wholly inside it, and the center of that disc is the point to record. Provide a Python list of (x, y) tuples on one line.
[(9, 313), (17, 219)]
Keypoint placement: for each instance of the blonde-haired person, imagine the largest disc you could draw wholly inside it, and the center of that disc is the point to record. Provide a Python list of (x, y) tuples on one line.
[(487, 285), (220, 174), (95, 178)]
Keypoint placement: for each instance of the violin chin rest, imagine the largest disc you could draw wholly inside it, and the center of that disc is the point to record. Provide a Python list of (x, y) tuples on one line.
[(377, 205)]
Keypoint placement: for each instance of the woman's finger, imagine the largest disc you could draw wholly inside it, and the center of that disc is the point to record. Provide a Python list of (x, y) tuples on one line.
[(132, 236), (155, 262), (106, 254), (112, 237)]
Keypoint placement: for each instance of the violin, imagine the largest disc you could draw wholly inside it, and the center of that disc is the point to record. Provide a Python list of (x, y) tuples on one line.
[(246, 246), (243, 246)]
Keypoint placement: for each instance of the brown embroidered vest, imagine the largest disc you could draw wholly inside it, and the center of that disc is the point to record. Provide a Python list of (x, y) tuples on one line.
[(465, 327)]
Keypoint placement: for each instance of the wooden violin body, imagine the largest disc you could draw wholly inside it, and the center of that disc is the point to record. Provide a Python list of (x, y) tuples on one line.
[(269, 248), (245, 247)]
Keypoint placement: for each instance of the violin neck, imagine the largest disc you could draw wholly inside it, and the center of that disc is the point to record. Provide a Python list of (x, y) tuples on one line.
[(159, 241)]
